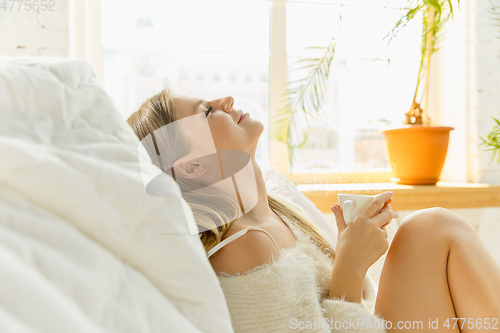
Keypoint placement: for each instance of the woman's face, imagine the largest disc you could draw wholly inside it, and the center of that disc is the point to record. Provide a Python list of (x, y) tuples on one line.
[(222, 140), (231, 129)]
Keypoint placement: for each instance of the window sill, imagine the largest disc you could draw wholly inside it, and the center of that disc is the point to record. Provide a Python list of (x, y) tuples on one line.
[(410, 197), (339, 177)]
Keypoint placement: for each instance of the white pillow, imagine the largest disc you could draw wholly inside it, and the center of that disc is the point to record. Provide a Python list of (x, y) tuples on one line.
[(67, 151)]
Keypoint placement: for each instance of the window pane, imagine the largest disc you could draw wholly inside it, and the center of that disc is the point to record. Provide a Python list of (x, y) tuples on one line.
[(223, 57), (363, 94), (189, 25), (362, 97), (359, 32)]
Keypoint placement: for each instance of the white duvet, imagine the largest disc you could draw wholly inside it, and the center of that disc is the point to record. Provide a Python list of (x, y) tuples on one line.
[(83, 248)]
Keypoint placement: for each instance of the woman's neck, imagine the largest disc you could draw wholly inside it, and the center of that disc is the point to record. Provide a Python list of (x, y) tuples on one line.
[(261, 211)]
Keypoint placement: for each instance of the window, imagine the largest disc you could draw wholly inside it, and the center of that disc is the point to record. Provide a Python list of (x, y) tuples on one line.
[(365, 90), (151, 44), (148, 44)]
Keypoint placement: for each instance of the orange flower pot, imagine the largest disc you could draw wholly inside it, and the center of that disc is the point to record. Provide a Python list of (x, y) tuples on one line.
[(416, 152)]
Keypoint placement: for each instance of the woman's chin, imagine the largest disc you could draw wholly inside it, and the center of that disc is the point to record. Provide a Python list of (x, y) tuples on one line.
[(257, 133), (259, 127), (255, 140)]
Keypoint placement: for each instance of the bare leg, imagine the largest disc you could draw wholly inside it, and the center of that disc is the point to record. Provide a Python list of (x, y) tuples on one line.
[(438, 268)]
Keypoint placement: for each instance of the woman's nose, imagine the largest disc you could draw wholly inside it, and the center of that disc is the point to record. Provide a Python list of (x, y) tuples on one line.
[(225, 104)]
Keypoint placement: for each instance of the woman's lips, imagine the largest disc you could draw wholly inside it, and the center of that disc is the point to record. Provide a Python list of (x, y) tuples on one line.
[(243, 116)]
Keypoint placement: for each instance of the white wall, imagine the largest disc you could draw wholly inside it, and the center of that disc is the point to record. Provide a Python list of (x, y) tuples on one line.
[(468, 68), (484, 86), (484, 104), (72, 29), (44, 33)]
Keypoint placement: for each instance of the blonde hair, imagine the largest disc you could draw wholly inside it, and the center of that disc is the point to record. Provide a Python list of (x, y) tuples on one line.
[(213, 212)]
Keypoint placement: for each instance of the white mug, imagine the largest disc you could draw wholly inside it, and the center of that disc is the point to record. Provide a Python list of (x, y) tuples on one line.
[(353, 204)]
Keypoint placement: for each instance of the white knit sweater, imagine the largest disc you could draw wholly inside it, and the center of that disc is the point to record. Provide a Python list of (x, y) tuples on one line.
[(290, 295)]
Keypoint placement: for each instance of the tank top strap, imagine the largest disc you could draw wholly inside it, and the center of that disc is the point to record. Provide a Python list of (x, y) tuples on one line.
[(236, 236)]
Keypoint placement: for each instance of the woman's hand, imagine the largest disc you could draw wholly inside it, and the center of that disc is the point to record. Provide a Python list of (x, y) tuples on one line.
[(364, 241)]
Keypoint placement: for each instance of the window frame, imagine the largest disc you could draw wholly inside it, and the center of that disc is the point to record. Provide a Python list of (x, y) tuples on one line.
[(85, 33)]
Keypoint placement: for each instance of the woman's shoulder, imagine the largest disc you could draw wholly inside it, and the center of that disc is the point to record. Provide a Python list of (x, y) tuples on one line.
[(255, 248)]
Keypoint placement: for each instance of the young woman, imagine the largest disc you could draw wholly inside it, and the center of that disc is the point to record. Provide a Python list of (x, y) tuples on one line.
[(279, 274)]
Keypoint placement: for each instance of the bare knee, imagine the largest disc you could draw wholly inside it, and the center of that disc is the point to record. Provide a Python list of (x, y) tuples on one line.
[(435, 222), (423, 233)]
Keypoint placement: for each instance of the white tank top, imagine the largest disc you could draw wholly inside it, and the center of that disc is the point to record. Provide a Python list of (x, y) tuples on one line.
[(235, 236)]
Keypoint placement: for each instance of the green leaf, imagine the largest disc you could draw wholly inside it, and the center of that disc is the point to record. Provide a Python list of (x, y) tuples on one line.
[(492, 141), (435, 4), (450, 4), (406, 18), (312, 60), (497, 121)]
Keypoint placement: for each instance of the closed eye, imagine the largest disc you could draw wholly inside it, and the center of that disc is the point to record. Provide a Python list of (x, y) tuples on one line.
[(208, 111)]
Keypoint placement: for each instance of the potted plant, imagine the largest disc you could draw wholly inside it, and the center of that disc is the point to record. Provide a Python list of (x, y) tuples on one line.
[(416, 149)]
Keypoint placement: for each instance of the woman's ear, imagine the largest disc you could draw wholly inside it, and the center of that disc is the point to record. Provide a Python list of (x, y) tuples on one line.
[(189, 169)]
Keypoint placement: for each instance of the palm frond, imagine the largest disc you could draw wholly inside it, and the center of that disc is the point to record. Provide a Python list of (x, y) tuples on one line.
[(408, 15), (443, 12), (303, 97)]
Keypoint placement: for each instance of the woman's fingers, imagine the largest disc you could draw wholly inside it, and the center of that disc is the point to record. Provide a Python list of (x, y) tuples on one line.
[(375, 206), (387, 203), (386, 224), (339, 217), (384, 230), (384, 218), (386, 207)]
